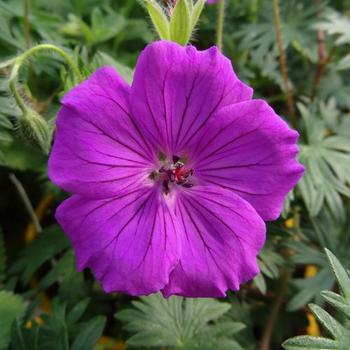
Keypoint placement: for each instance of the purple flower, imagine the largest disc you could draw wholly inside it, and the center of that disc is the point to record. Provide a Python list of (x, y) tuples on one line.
[(173, 177), (212, 1)]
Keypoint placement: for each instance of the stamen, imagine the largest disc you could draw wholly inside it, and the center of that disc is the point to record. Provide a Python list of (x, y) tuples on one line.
[(173, 174)]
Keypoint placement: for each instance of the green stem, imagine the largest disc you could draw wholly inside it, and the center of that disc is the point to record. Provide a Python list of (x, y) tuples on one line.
[(220, 24), (25, 56), (49, 47), (26, 201), (12, 85)]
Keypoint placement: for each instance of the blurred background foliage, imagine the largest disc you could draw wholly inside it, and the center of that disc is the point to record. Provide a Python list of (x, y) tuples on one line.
[(46, 304)]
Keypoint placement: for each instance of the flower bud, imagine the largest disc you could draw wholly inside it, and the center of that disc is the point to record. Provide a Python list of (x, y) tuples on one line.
[(158, 18), (35, 130), (180, 22), (177, 22)]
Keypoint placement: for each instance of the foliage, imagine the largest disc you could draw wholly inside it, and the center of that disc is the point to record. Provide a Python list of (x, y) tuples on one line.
[(7, 108), (11, 307), (259, 38), (61, 330), (326, 155), (336, 24), (45, 247), (270, 263), (341, 302), (180, 323)]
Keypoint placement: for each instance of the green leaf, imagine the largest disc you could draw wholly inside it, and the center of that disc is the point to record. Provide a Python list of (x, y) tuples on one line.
[(181, 23), (258, 38), (269, 263), (60, 330), (337, 301), (159, 20), (337, 25), (103, 59), (19, 156), (178, 322), (104, 25), (343, 64), (324, 231), (310, 343), (11, 307), (17, 338), (89, 335), (309, 289), (341, 275), (54, 332), (77, 311), (327, 161), (73, 287), (259, 282), (62, 268), (49, 243), (328, 322), (339, 332)]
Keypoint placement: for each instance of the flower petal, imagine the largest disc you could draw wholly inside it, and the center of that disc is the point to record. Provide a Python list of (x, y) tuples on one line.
[(221, 235), (128, 241), (98, 149), (250, 150), (176, 89)]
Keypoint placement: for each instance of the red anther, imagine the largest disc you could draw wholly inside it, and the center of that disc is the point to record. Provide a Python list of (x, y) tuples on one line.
[(176, 174)]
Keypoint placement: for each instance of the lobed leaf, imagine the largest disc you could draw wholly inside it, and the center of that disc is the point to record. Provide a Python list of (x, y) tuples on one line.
[(178, 322)]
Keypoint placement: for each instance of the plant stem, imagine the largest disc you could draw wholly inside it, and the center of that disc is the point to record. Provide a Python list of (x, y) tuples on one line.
[(25, 56), (26, 201), (58, 50), (282, 60), (271, 321), (220, 24), (12, 85)]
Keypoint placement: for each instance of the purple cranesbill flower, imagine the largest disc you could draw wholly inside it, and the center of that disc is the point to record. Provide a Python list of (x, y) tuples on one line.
[(173, 176), (212, 1)]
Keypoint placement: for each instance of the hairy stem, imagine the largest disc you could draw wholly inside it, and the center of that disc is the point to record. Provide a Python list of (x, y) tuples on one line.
[(26, 201), (272, 319), (25, 56), (12, 85), (48, 47), (282, 59), (220, 24)]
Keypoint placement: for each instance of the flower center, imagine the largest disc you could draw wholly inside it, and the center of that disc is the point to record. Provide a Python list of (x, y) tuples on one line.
[(171, 174)]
